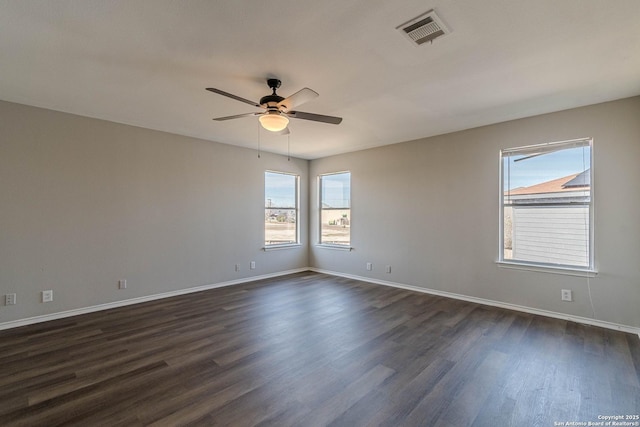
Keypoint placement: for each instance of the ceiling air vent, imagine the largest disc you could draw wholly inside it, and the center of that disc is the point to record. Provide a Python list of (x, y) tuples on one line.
[(425, 28)]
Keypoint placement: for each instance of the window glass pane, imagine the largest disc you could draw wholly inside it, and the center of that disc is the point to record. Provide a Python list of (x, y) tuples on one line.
[(280, 228), (335, 212), (280, 208), (279, 190), (336, 227), (336, 190), (547, 175), (546, 204)]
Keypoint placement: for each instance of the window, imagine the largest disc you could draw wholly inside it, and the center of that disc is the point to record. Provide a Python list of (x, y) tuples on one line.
[(335, 209), (547, 204), (280, 208)]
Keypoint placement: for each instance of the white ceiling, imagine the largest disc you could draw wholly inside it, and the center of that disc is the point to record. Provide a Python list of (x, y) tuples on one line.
[(148, 62)]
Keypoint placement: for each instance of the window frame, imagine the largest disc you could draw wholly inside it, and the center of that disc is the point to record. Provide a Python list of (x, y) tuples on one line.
[(320, 243), (274, 246), (569, 269)]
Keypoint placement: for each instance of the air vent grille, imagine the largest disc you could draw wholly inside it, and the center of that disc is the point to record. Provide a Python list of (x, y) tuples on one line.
[(425, 28)]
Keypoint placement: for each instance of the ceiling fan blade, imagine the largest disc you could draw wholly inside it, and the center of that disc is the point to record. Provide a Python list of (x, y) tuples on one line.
[(314, 117), (229, 95), (298, 98), (237, 116)]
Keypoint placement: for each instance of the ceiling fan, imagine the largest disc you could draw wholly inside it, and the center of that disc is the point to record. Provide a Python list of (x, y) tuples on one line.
[(278, 110)]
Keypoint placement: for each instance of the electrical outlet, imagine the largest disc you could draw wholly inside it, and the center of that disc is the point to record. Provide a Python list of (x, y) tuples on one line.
[(10, 299), (369, 266), (252, 265), (237, 267), (387, 269), (566, 295), (122, 284), (47, 296)]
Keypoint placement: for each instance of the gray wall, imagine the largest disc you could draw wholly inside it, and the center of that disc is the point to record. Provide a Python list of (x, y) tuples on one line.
[(429, 208), (86, 202)]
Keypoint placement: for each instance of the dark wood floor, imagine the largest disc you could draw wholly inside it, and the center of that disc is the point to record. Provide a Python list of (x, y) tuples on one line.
[(314, 350)]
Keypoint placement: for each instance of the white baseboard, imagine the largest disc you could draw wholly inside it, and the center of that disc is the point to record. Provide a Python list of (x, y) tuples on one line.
[(563, 316), (116, 304)]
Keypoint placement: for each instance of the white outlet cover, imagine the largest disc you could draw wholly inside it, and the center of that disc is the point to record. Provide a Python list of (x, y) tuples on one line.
[(47, 296)]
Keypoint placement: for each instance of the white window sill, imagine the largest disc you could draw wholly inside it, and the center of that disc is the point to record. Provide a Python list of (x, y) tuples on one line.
[(280, 247), (543, 268), (334, 247)]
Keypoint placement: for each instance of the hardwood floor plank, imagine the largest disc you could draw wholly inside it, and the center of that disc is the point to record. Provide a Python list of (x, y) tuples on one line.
[(345, 399), (402, 402), (83, 400), (472, 396), (312, 349)]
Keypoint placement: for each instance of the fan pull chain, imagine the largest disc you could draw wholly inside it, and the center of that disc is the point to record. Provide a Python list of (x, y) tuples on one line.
[(258, 139), (288, 147)]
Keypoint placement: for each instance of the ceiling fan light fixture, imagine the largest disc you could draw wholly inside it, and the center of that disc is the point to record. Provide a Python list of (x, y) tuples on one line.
[(273, 121)]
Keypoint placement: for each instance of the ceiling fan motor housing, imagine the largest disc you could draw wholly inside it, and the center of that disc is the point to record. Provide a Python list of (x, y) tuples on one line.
[(273, 99), (270, 100)]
